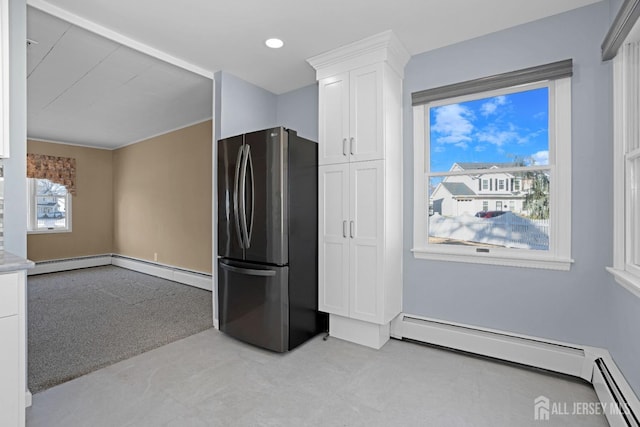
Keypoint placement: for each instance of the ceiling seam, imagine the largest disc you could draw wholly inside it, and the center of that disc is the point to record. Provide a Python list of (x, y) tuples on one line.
[(49, 51), (81, 77)]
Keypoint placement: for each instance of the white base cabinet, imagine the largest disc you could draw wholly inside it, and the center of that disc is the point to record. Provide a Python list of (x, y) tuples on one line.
[(13, 387), (360, 187), (352, 241)]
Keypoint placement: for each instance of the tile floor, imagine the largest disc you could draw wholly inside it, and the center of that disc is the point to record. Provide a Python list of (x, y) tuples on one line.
[(209, 379)]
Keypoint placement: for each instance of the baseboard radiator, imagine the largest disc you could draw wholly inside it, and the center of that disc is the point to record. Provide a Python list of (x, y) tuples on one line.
[(592, 364), (176, 274), (55, 265)]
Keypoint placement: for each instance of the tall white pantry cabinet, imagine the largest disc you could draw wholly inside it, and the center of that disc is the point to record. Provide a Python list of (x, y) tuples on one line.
[(360, 187)]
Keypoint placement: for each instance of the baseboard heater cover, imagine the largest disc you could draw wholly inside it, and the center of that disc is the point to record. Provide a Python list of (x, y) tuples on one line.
[(176, 274), (512, 348), (65, 264), (592, 364), (609, 392)]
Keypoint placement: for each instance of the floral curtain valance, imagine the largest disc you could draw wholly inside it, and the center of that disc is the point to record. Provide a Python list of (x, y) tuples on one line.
[(61, 170)]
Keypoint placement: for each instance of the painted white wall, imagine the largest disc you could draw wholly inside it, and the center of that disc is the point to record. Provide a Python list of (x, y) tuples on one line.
[(15, 168), (574, 306)]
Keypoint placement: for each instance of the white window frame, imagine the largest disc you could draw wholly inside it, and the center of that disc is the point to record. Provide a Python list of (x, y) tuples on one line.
[(32, 220), (625, 127), (558, 257)]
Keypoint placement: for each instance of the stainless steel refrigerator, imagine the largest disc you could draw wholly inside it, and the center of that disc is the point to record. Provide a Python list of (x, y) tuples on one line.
[(268, 239)]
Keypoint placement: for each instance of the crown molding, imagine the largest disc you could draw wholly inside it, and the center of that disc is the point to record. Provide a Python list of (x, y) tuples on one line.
[(382, 47)]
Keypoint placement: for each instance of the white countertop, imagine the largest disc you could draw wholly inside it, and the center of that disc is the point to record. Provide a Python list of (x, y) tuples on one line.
[(10, 262)]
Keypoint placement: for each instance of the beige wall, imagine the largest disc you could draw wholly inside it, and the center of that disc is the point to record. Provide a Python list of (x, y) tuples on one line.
[(162, 198), (91, 207)]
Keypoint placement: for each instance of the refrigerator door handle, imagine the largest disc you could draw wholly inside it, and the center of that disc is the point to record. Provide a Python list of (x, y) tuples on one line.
[(253, 204), (236, 185), (243, 198), (248, 271)]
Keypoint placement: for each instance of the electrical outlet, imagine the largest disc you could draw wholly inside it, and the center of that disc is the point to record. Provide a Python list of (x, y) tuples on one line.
[(155, 256)]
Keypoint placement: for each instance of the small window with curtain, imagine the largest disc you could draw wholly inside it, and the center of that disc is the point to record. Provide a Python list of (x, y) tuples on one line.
[(509, 134), (50, 185)]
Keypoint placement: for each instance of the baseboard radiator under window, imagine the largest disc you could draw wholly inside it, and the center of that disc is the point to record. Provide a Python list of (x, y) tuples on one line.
[(595, 365), (512, 348)]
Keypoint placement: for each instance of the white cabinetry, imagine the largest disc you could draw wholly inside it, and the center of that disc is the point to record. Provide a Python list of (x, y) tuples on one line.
[(351, 240), (13, 355), (351, 116), (360, 187)]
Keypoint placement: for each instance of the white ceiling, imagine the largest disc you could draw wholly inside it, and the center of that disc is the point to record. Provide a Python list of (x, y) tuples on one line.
[(218, 35), (87, 90)]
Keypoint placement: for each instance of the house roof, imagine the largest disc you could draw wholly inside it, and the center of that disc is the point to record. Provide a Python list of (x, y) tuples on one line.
[(485, 165), (458, 189)]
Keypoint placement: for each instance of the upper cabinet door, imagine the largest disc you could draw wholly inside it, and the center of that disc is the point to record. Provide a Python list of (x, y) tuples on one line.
[(366, 112), (333, 129)]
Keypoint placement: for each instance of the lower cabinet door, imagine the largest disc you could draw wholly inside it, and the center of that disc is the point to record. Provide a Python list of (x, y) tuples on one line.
[(333, 238), (366, 240), (10, 381), (253, 303)]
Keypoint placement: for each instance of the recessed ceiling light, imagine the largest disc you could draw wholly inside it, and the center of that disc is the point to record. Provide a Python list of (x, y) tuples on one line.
[(274, 43)]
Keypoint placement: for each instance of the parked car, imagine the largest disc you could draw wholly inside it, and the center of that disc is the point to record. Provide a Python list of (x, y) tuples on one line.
[(489, 214)]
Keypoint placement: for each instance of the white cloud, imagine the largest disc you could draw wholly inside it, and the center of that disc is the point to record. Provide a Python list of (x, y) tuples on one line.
[(541, 157), (453, 125), (492, 105), (498, 137)]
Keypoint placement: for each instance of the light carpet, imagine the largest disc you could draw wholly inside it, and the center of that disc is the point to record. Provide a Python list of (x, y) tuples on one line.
[(82, 320)]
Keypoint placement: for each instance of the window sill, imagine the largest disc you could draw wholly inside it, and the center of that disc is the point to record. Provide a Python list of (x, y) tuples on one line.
[(629, 281), (543, 262), (54, 231)]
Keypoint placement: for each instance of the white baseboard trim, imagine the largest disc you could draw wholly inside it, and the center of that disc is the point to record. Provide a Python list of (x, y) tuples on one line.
[(57, 265), (570, 359), (191, 278)]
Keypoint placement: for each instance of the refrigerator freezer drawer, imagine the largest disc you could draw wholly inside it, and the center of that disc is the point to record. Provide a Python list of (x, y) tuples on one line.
[(254, 303)]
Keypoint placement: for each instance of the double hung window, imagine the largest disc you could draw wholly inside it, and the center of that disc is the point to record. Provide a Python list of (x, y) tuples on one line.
[(502, 142)]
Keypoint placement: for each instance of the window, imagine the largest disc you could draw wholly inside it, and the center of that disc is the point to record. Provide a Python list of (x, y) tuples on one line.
[(626, 185), (516, 184), (49, 206), (515, 137)]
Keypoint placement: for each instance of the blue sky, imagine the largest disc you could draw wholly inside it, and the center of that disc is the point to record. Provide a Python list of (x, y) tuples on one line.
[(496, 129)]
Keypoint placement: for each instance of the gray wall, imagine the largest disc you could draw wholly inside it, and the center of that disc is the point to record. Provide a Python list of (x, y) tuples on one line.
[(298, 110), (15, 168), (568, 306), (244, 107)]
